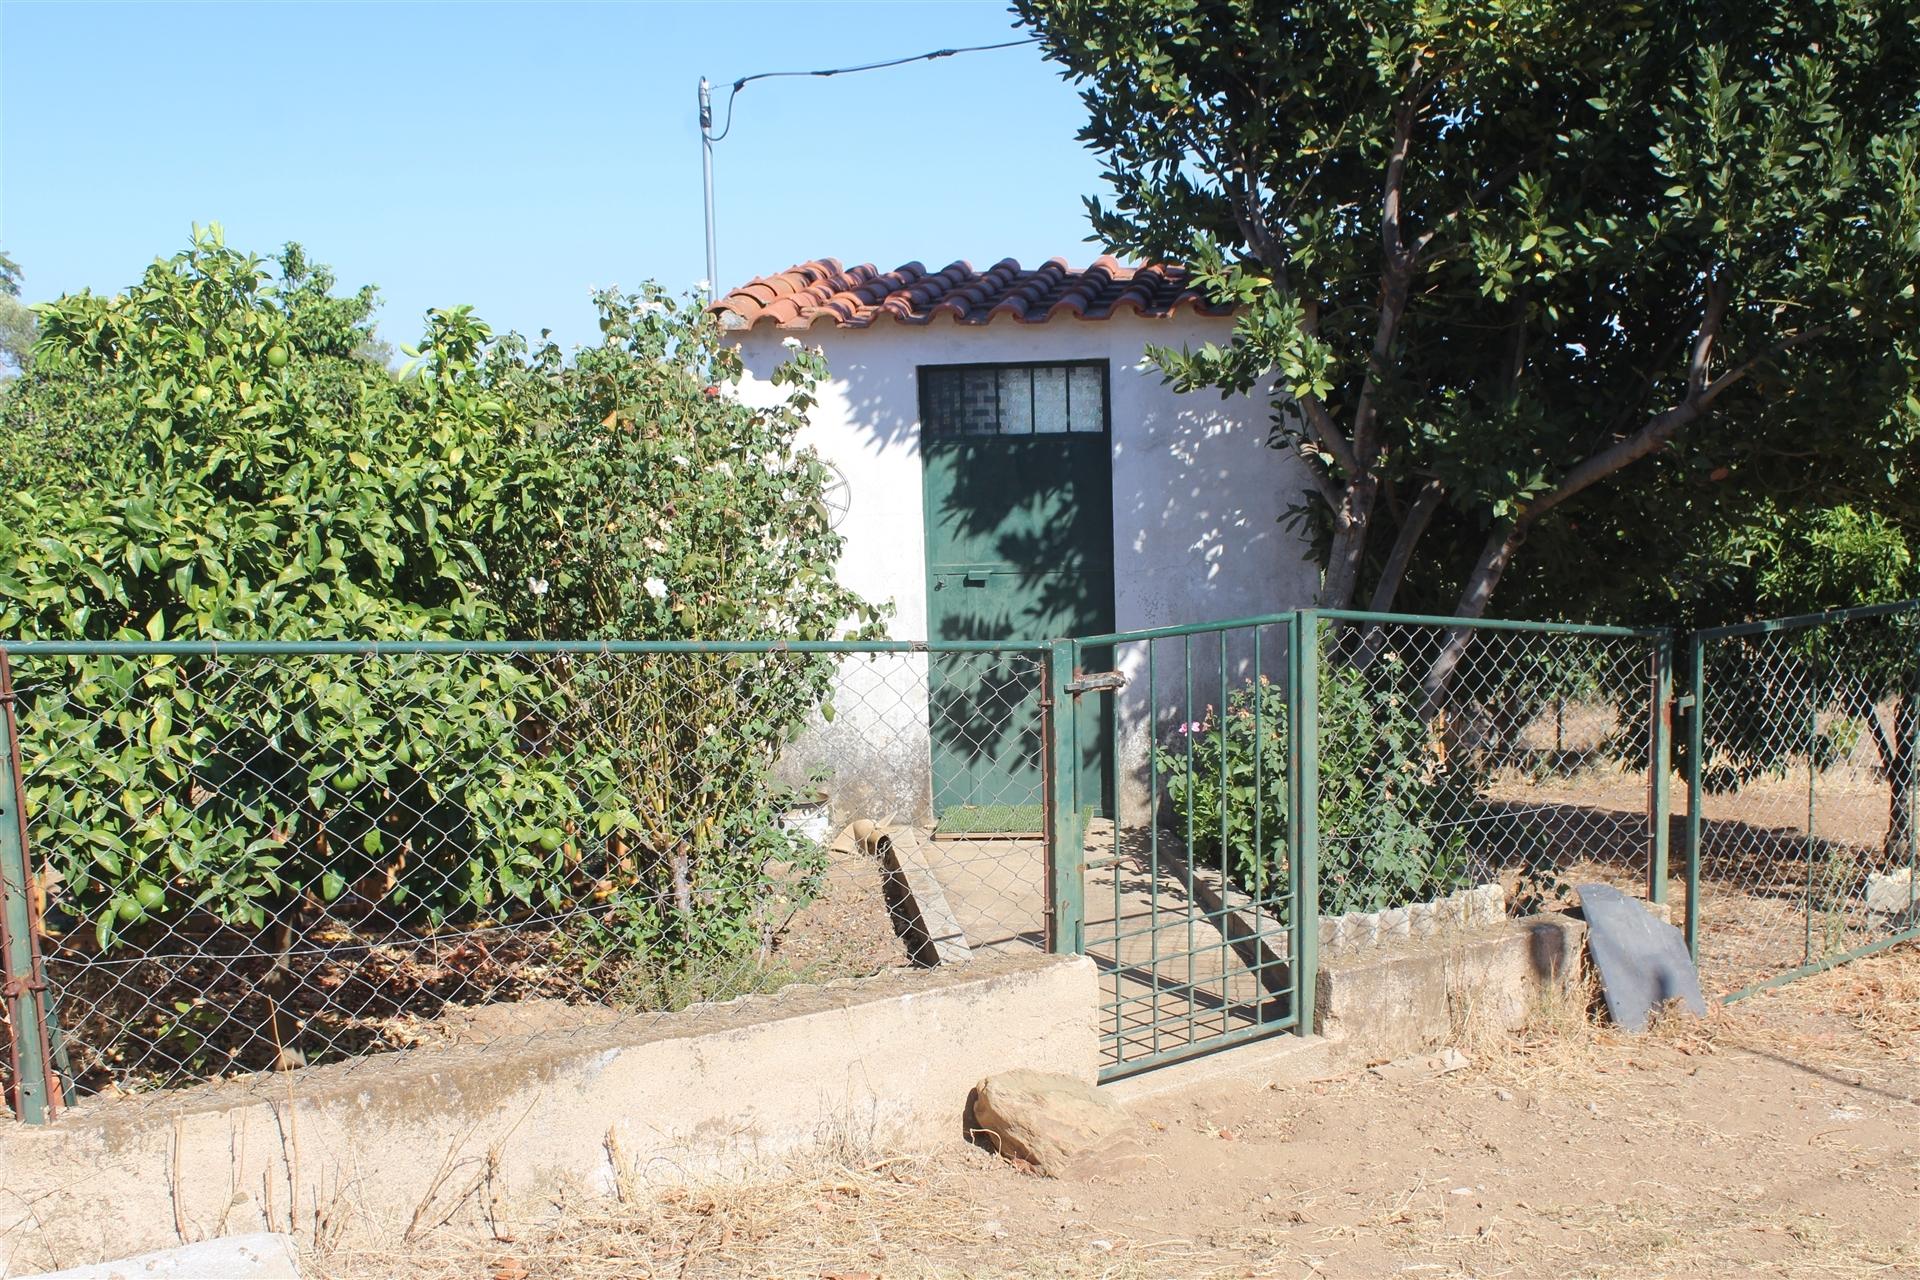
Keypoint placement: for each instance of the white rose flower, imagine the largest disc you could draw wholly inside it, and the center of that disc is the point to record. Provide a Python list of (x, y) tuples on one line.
[(537, 585), (655, 587), (790, 343)]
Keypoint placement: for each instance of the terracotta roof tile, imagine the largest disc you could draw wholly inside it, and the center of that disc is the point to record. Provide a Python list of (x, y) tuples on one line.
[(823, 291)]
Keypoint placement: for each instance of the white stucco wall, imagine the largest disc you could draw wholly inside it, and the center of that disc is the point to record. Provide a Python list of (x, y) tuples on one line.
[(1197, 503)]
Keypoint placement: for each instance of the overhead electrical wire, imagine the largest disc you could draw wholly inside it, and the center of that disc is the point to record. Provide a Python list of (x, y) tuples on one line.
[(744, 81)]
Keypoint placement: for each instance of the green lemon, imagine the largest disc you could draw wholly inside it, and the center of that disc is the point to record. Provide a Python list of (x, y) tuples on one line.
[(202, 393), (129, 910), (277, 356), (150, 896)]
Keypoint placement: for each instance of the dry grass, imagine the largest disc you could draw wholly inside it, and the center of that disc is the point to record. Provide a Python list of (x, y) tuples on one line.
[(1569, 1046), (1773, 1137), (840, 1216), (1876, 996)]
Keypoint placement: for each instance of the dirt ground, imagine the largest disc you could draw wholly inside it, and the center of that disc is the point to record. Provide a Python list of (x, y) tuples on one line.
[(1780, 1137)]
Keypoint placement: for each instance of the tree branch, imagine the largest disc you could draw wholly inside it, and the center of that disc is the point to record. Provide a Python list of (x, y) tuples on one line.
[(1660, 428), (1392, 245), (1393, 282), (1412, 529), (1321, 425), (1718, 290)]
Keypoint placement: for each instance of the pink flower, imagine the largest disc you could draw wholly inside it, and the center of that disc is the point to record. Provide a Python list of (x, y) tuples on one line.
[(1191, 726)]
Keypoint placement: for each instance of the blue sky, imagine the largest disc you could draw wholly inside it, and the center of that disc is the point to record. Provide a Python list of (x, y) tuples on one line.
[(513, 156)]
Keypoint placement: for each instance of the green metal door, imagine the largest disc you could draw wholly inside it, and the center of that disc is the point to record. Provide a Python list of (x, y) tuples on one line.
[(1019, 536)]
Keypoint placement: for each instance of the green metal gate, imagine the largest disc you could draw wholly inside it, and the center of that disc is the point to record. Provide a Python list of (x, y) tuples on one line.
[(1195, 926)]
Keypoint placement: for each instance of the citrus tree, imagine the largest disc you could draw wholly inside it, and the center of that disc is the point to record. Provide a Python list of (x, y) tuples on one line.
[(659, 505), (211, 456)]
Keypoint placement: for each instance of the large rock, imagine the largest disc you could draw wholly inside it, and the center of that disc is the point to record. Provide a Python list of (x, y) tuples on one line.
[(1056, 1125)]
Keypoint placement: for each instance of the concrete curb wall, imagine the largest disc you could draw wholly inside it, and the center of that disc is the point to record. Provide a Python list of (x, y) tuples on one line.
[(493, 1134), (1391, 1001), (261, 1256)]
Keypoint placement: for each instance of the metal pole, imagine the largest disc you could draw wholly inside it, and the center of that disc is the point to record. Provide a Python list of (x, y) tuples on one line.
[(706, 175), (1660, 763), (1066, 843), (1303, 825), (1696, 748), (22, 981)]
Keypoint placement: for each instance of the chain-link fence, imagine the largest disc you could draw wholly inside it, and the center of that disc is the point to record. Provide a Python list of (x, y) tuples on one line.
[(256, 857), (1454, 771), (1473, 756), (1801, 787)]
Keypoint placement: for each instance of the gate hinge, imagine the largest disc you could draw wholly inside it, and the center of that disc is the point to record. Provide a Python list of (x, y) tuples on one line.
[(1684, 702), (14, 988), (1095, 682)]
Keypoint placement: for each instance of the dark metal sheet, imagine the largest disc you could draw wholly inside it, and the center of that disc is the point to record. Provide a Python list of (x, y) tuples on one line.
[(1642, 962)]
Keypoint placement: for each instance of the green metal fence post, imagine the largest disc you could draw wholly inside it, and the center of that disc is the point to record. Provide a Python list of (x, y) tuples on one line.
[(29, 1082), (1660, 768), (1303, 829), (1696, 750), (1913, 788), (1066, 845)]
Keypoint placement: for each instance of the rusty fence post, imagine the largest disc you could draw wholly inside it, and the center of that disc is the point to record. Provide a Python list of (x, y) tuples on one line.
[(32, 1091)]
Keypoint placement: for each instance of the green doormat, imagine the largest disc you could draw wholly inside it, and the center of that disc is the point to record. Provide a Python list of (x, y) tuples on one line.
[(1005, 820)]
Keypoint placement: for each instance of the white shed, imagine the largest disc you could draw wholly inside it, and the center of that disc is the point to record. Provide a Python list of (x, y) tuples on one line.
[(1016, 469)]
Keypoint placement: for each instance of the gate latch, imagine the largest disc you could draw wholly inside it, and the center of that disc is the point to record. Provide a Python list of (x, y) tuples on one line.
[(1095, 682)]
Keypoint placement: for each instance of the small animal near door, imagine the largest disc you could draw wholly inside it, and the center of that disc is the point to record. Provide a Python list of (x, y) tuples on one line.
[(1019, 512)]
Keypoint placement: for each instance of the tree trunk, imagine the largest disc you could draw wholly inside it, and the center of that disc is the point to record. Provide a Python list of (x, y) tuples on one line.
[(1349, 550), (1494, 558), (1899, 769), (1385, 591)]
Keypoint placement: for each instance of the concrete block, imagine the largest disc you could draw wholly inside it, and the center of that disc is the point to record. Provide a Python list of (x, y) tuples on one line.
[(1363, 930), (1395, 926), (1389, 1003), (1486, 905), (1333, 937), (1450, 913), (914, 894), (654, 1098), (1892, 893), (264, 1255), (1420, 920)]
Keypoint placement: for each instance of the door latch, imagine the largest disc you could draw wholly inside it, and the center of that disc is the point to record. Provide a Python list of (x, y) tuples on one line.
[(1096, 682)]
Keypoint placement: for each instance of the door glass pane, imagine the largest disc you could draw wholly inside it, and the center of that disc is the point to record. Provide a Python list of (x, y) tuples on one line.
[(1050, 399), (1016, 402), (1087, 399), (981, 413)]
